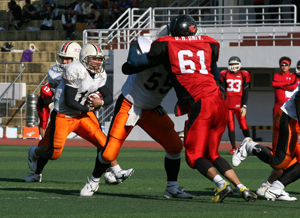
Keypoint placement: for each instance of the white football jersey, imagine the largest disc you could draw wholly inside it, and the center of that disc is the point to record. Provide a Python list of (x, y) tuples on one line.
[(76, 76), (148, 88), (289, 107)]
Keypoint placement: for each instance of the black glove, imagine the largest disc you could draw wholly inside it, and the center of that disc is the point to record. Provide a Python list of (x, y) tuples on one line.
[(160, 110)]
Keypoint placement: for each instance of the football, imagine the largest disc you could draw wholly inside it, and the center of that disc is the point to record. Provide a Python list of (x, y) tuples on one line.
[(93, 96)]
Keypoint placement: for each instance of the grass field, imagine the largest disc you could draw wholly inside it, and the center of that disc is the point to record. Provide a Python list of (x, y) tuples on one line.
[(139, 196)]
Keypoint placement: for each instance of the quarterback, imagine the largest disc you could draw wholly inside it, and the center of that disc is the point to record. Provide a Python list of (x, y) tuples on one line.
[(71, 112)]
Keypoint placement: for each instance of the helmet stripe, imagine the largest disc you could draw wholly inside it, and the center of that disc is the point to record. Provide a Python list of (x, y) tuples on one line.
[(65, 48), (97, 48)]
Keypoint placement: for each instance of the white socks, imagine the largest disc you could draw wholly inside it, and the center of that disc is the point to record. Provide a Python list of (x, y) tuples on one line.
[(115, 169), (219, 181), (94, 180), (250, 146)]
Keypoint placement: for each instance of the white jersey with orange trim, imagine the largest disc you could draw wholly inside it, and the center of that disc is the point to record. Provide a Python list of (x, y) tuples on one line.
[(75, 75)]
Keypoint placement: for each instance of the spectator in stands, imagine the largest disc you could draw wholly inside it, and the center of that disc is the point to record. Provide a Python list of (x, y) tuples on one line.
[(103, 4), (125, 4), (258, 11), (68, 21), (78, 11), (28, 13), (87, 10), (15, 12), (96, 22), (49, 6), (115, 7)]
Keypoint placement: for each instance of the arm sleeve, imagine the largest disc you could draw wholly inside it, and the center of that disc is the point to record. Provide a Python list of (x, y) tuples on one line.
[(222, 83), (214, 54), (215, 71), (245, 94), (136, 60), (70, 101), (127, 69), (297, 103), (107, 96)]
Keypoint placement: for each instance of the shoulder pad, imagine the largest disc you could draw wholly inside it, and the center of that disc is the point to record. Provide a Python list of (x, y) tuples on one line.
[(74, 71)]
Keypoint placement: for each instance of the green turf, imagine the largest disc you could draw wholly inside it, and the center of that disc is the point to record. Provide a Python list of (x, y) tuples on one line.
[(139, 196)]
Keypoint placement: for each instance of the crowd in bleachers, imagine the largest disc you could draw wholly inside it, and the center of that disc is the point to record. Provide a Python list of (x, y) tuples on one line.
[(80, 14)]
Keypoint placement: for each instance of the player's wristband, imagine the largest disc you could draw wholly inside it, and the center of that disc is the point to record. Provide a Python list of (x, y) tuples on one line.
[(102, 102), (244, 106)]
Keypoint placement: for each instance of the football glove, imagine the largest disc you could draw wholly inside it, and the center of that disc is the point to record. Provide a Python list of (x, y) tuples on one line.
[(243, 111), (160, 110)]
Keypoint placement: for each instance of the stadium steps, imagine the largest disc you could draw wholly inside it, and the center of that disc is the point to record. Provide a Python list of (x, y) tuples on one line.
[(39, 35), (34, 78), (43, 46)]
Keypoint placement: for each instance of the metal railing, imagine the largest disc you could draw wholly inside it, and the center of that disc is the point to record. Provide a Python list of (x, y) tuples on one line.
[(222, 16), (141, 20), (5, 93)]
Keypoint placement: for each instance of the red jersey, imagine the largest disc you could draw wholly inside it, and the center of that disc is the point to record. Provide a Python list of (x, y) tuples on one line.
[(47, 94), (234, 84), (283, 82), (188, 60)]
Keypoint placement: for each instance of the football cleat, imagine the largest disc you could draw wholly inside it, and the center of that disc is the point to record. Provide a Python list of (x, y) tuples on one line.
[(262, 189), (278, 194), (232, 151), (122, 175), (175, 192), (110, 178), (32, 161), (241, 153), (32, 177), (89, 189), (220, 194), (247, 194)]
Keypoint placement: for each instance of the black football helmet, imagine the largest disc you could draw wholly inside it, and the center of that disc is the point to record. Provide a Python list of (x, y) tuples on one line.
[(183, 25), (298, 68), (234, 64)]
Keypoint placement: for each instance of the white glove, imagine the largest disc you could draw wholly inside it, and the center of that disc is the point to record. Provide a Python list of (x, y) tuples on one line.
[(243, 111)]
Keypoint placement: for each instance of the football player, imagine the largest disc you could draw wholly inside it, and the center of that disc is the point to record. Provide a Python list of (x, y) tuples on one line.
[(285, 148), (190, 61), (276, 174), (68, 52), (139, 104), (71, 114), (235, 83)]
